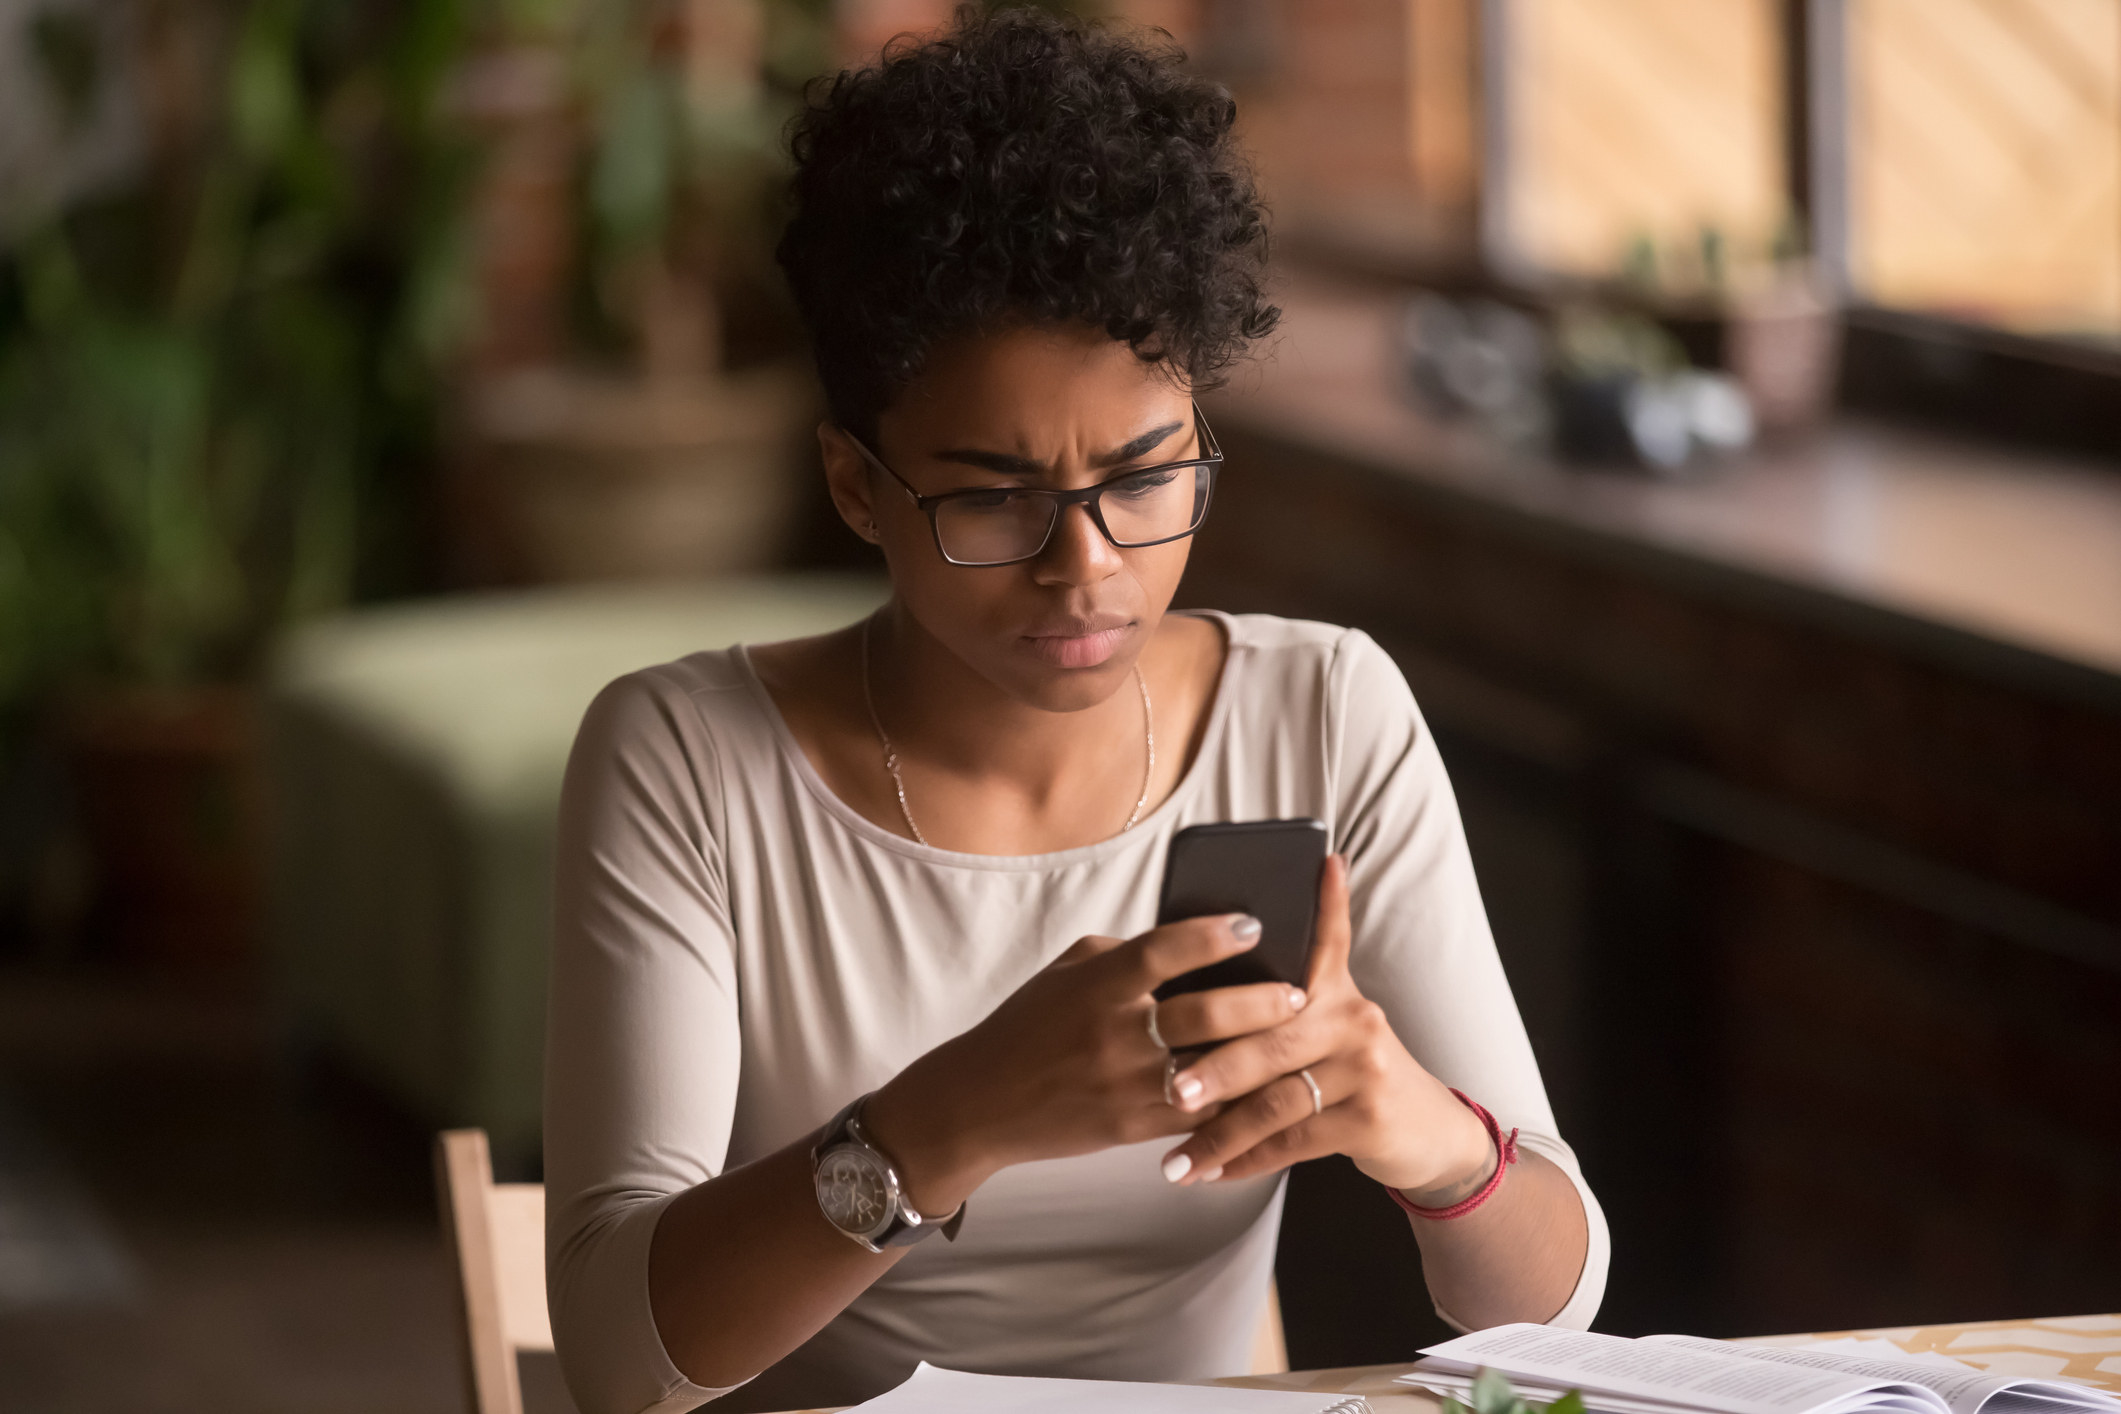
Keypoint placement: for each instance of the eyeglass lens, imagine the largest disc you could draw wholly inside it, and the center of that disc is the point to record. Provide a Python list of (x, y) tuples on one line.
[(1006, 524)]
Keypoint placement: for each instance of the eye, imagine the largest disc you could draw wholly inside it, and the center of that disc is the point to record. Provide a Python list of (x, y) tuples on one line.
[(1145, 484)]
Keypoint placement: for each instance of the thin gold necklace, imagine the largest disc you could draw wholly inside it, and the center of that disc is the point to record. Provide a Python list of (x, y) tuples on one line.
[(898, 782)]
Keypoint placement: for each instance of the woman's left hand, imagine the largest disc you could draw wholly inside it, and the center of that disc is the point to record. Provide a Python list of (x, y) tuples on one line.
[(1373, 1101)]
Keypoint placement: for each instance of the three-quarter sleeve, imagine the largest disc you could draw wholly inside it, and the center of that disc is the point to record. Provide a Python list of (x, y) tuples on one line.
[(642, 1047), (1422, 948)]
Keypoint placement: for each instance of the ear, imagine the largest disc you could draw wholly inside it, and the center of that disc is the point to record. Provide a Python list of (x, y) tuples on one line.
[(849, 479)]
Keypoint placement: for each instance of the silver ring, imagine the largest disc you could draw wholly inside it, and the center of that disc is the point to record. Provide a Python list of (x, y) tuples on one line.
[(1318, 1101), (1154, 1034), (1170, 1074)]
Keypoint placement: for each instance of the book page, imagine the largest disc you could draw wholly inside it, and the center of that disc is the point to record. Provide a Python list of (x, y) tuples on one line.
[(934, 1391), (1676, 1372), (1460, 1387), (1962, 1387), (1878, 1348)]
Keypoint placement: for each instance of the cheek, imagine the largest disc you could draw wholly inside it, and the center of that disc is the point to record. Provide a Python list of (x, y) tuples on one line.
[(961, 607), (1153, 577), (1160, 568)]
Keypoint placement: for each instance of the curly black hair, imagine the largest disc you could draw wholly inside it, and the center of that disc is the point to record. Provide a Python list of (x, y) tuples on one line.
[(1021, 167)]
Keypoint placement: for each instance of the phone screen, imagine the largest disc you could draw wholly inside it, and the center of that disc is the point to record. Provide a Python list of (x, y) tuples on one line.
[(1267, 868)]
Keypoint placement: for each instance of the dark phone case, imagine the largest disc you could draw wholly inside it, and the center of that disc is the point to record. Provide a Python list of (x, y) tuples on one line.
[(1267, 868)]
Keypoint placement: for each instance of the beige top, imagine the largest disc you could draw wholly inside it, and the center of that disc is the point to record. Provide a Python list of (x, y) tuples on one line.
[(737, 954)]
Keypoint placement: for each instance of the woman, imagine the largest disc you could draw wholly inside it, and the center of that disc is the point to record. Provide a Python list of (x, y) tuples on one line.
[(884, 897)]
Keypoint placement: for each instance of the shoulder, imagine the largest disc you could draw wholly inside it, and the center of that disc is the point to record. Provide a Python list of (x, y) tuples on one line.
[(656, 750), (1328, 690), (714, 682), (1306, 655), (685, 704)]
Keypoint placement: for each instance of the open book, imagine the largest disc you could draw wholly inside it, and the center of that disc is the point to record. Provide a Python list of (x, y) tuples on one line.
[(933, 1391), (1659, 1374)]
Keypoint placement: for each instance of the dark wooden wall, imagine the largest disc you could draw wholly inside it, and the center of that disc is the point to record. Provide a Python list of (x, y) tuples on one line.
[(1815, 916)]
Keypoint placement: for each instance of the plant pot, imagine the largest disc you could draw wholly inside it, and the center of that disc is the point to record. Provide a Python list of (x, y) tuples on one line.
[(1784, 348), (587, 476), (166, 784)]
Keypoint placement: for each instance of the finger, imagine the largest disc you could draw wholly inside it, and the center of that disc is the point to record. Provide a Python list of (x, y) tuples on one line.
[(1241, 1066), (1308, 1139), (1173, 949), (1284, 1106), (1083, 949), (1332, 934), (1200, 1018), (1157, 1120)]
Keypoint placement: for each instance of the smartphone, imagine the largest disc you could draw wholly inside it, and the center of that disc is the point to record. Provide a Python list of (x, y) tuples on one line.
[(1267, 868)]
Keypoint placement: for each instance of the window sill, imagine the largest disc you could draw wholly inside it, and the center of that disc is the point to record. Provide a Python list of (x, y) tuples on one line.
[(2002, 561)]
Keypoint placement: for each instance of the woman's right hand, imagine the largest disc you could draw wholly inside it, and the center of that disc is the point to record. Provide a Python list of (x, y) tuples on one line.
[(1066, 1064)]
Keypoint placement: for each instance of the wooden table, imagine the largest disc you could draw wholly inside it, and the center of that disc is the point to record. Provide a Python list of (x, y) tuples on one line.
[(2086, 1348)]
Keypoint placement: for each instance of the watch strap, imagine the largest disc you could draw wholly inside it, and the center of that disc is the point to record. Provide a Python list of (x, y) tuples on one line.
[(837, 1131)]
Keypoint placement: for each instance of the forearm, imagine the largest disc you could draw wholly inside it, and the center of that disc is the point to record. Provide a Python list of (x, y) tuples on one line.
[(744, 1268), (1516, 1257)]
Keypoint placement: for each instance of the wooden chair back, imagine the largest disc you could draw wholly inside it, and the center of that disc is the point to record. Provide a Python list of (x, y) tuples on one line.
[(496, 1234)]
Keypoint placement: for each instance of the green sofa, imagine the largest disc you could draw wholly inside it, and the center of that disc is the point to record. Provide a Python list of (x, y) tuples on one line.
[(415, 760)]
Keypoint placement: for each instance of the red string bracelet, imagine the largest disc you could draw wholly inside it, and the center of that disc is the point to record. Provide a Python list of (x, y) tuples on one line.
[(1506, 1154)]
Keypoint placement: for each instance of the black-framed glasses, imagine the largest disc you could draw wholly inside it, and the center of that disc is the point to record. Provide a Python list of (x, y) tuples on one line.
[(983, 526)]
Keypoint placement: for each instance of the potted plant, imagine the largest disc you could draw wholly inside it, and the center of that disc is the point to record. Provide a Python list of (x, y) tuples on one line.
[(1777, 331), (651, 451), (204, 379)]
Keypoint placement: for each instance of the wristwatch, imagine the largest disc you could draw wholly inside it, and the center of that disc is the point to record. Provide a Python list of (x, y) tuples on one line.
[(858, 1189)]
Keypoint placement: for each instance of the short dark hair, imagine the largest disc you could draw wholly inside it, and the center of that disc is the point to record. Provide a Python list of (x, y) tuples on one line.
[(1021, 167)]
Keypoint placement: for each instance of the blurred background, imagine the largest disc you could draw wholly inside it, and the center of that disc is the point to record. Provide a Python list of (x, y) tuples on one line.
[(1712, 405)]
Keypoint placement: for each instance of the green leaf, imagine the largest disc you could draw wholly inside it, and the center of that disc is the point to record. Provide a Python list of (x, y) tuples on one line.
[(634, 173), (264, 95), (51, 280), (1492, 1393)]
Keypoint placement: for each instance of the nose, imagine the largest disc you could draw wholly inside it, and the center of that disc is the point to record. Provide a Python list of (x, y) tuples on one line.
[(1077, 552)]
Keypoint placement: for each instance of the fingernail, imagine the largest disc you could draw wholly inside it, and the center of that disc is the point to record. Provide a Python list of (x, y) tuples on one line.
[(1188, 1088), (1210, 1175), (1297, 999), (1177, 1166), (1244, 927)]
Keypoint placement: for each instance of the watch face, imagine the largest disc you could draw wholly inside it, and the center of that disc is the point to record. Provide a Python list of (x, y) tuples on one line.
[(855, 1190)]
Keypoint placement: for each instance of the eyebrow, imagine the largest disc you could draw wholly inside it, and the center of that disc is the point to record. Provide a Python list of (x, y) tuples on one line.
[(1004, 464)]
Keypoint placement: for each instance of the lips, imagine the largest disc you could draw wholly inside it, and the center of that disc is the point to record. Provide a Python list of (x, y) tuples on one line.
[(1080, 644)]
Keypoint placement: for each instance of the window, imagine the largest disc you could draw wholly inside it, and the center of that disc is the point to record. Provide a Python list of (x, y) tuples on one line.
[(1964, 155), (1641, 137), (1983, 160)]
